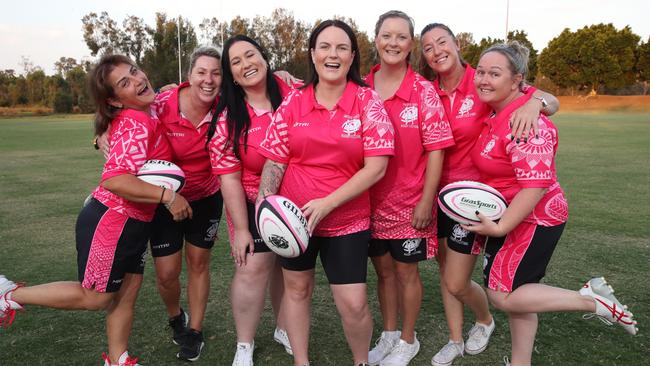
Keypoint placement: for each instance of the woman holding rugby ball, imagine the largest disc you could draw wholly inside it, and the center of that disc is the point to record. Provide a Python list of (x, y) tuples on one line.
[(250, 94), (403, 203), (520, 245), (113, 228), (327, 144), (458, 248)]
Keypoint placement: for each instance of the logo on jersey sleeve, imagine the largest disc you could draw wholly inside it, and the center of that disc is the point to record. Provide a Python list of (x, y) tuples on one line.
[(350, 127), (409, 115), (466, 107)]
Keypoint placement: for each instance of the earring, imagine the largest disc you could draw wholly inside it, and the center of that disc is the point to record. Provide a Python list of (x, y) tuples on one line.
[(235, 82)]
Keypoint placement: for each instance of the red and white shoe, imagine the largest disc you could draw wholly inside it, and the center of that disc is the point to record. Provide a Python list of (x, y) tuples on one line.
[(124, 360), (8, 307), (608, 308)]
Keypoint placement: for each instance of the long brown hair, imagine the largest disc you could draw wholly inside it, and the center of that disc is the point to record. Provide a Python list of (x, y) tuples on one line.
[(101, 90)]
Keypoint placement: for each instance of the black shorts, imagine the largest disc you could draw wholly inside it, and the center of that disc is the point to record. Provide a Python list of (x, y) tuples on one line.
[(201, 230), (520, 257), (260, 245), (344, 258), (402, 250), (109, 245), (458, 239)]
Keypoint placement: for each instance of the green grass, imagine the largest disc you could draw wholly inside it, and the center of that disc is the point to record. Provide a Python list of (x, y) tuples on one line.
[(48, 166)]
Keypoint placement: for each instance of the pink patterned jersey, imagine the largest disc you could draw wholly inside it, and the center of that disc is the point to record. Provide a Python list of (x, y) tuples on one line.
[(509, 166), (188, 145), (223, 158), (466, 113), (133, 138), (324, 148), (420, 127)]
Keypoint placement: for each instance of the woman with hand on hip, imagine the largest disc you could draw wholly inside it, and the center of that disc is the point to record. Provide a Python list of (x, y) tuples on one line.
[(327, 144), (250, 94), (403, 225)]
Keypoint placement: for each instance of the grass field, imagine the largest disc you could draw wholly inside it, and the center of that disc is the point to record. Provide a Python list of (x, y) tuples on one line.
[(47, 167)]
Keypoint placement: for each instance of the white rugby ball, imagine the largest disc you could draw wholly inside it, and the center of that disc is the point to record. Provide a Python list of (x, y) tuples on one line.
[(162, 173), (461, 200), (282, 226)]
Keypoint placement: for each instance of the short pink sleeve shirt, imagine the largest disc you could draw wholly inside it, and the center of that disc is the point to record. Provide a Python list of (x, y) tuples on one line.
[(421, 126), (509, 166), (188, 145), (134, 137), (324, 148)]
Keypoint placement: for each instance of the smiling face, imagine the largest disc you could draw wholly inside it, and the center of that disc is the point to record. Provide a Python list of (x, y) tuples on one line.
[(494, 80), (205, 79), (332, 55), (247, 65), (131, 88), (440, 51), (393, 41)]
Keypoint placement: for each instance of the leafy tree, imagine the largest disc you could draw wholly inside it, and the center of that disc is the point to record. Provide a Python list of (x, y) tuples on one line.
[(101, 34), (211, 32), (465, 39), (135, 37), (65, 64), (35, 83), (160, 62), (643, 64), (592, 57), (472, 52)]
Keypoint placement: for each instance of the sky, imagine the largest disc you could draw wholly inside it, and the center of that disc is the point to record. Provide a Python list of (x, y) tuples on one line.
[(44, 31)]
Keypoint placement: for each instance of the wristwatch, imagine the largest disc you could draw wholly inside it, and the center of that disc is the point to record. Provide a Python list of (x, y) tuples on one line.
[(541, 99)]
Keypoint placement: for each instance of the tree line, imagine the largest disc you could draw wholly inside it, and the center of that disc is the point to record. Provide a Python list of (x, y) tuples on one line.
[(598, 58)]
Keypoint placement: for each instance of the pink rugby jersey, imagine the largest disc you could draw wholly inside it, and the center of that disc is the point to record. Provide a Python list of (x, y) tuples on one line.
[(420, 127), (324, 148), (509, 167), (223, 157), (133, 137), (465, 113), (187, 144)]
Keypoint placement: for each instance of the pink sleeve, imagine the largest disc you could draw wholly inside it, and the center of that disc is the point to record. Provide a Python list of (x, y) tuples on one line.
[(275, 145), (129, 143), (436, 130), (532, 161), (222, 154), (377, 128)]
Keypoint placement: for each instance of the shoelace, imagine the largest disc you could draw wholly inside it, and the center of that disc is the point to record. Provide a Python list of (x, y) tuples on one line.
[(447, 350), (473, 333), (383, 343), (594, 315), (242, 354), (7, 317), (130, 362), (506, 361)]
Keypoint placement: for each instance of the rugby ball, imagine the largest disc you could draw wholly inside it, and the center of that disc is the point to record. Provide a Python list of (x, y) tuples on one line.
[(282, 226), (162, 173), (461, 200)]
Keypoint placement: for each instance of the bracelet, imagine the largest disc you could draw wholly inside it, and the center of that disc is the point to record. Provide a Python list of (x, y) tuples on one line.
[(162, 195), (95, 143), (169, 204)]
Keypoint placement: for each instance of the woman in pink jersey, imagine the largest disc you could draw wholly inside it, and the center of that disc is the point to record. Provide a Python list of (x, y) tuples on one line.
[(185, 113), (459, 248), (403, 203), (250, 94), (327, 144), (113, 228), (520, 245)]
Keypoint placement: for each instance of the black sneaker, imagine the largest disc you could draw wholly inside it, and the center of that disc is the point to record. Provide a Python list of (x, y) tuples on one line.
[(191, 346), (179, 327)]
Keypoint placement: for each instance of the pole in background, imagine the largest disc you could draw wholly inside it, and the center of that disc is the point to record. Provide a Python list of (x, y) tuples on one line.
[(507, 14), (179, 49)]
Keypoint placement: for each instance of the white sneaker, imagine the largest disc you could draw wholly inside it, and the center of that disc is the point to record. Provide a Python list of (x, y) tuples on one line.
[(244, 354), (448, 353), (401, 354), (8, 307), (478, 338), (608, 308), (280, 336), (124, 360), (384, 344)]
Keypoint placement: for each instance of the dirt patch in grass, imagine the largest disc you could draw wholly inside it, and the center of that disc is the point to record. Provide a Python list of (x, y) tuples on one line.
[(605, 103)]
